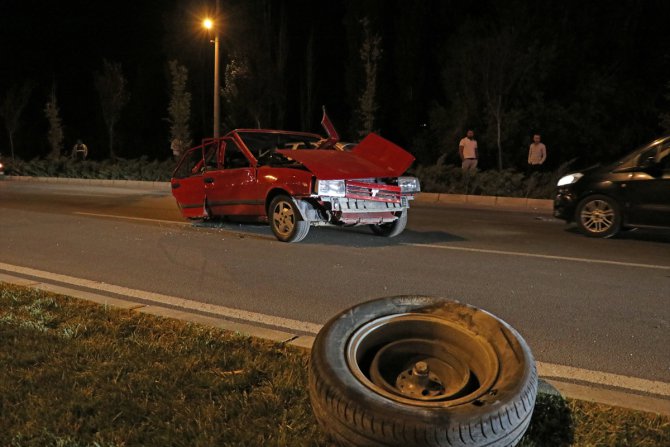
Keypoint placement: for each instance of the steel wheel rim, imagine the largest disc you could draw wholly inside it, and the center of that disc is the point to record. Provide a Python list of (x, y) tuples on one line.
[(462, 366), (283, 218), (597, 216)]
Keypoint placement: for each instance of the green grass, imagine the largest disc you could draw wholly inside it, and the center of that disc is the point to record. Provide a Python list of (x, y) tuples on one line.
[(73, 373)]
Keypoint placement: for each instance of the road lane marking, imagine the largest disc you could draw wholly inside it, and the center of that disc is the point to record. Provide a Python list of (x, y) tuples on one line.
[(602, 378), (549, 370), (270, 320), (141, 219), (536, 255)]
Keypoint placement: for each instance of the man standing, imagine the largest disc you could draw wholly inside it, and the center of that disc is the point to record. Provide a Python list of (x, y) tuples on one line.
[(467, 149), (537, 153), (79, 151)]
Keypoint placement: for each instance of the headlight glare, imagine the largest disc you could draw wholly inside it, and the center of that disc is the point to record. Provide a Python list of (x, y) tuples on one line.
[(409, 184), (570, 179), (333, 188)]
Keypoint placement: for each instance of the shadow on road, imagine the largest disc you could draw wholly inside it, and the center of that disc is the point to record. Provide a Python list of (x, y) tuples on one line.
[(346, 237), (634, 234)]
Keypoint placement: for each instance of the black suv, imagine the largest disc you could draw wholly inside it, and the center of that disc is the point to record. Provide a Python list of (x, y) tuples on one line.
[(633, 192)]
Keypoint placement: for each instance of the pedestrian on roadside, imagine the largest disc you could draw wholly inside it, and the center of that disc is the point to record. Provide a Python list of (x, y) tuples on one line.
[(79, 151), (537, 154), (468, 151)]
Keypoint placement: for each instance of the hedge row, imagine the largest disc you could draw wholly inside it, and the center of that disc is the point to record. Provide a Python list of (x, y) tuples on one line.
[(436, 178)]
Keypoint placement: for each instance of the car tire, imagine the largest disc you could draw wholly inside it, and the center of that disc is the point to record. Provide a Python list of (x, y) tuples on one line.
[(598, 216), (487, 371), (286, 221), (391, 229)]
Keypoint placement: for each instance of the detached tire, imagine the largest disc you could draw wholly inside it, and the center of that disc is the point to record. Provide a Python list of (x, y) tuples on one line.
[(421, 371)]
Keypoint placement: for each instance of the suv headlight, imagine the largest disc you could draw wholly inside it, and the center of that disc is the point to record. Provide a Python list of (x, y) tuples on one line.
[(333, 188), (409, 184), (570, 179)]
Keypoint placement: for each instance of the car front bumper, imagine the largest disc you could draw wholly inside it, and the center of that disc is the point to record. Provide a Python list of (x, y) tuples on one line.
[(565, 202)]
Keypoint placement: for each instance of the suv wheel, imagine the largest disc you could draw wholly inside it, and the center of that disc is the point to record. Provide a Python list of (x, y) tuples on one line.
[(598, 216)]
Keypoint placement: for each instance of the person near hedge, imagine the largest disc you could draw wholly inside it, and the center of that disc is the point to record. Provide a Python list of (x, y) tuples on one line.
[(467, 149), (79, 151), (537, 154)]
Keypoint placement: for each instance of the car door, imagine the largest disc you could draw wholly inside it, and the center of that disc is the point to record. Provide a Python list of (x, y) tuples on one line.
[(648, 191), (187, 184), (231, 188)]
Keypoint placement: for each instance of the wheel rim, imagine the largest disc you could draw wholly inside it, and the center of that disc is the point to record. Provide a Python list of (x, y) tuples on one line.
[(422, 360), (283, 218), (597, 216)]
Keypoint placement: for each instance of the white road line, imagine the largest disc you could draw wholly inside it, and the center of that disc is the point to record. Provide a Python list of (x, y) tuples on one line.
[(535, 255), (602, 378), (142, 219), (549, 370), (183, 303)]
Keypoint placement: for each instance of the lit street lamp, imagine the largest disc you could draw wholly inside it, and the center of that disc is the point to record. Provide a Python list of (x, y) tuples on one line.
[(212, 25)]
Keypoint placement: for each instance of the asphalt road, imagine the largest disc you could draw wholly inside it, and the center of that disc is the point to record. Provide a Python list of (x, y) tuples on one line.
[(601, 305)]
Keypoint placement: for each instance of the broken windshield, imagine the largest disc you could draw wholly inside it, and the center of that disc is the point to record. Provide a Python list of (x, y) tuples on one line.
[(263, 144)]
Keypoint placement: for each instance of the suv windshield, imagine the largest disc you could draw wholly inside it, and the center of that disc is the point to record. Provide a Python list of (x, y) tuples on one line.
[(642, 153)]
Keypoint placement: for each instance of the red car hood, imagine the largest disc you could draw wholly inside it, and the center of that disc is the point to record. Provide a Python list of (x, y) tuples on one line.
[(373, 157)]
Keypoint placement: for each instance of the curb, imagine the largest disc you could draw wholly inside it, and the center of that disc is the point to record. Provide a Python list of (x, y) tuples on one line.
[(487, 201), (162, 186), (520, 203)]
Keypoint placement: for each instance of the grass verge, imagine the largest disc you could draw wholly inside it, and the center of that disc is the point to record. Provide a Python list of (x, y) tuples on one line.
[(73, 373)]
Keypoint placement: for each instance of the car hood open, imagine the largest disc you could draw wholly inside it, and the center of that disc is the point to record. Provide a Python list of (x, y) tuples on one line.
[(372, 157)]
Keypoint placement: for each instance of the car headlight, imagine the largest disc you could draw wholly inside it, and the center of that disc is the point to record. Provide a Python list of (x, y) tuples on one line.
[(570, 179), (409, 184), (330, 188)]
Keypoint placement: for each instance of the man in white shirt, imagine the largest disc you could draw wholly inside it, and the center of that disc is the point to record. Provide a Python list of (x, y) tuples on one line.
[(537, 153), (467, 149)]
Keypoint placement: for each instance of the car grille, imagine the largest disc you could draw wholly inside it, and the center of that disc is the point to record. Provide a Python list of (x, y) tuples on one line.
[(377, 192)]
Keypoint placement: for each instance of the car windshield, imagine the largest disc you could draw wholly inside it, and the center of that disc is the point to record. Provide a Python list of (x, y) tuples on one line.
[(261, 144)]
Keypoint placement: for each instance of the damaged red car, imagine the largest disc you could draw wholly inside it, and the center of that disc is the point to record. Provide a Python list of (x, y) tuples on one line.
[(296, 180)]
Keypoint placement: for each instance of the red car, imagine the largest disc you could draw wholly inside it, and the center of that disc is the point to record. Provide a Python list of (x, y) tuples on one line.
[(295, 180)]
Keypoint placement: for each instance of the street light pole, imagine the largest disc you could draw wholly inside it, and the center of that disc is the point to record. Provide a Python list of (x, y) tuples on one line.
[(217, 94)]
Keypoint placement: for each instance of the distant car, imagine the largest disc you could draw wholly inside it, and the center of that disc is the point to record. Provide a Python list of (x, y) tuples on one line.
[(2, 166), (633, 192), (295, 180)]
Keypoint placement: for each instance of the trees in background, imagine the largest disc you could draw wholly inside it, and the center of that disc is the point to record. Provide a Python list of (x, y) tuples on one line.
[(55, 135), (111, 86), (12, 107), (179, 109), (370, 54), (590, 77)]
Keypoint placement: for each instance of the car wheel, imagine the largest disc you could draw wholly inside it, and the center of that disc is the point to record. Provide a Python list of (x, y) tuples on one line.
[(391, 229), (421, 371), (598, 216), (285, 220)]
